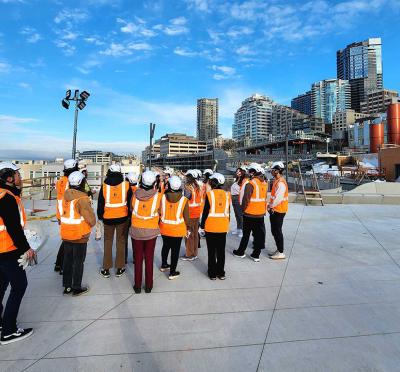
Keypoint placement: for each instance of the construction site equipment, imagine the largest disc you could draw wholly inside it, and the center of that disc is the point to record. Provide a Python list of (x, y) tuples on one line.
[(306, 184)]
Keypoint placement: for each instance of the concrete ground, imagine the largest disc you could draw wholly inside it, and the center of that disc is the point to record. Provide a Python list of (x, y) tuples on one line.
[(332, 305)]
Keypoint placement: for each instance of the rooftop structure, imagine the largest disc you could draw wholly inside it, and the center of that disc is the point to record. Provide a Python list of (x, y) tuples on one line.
[(335, 293)]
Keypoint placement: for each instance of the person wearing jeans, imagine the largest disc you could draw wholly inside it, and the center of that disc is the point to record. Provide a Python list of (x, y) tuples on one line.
[(77, 221), (174, 216), (13, 244), (144, 229)]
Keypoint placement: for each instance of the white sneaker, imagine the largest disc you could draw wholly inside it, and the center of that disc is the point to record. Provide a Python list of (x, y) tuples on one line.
[(272, 253), (278, 256)]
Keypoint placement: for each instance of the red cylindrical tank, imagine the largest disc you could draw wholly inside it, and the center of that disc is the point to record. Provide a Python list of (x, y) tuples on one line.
[(376, 136), (393, 123)]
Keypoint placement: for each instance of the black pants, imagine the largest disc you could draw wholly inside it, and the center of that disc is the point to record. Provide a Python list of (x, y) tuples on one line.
[(74, 258), (60, 256), (257, 227), (174, 244), (11, 273), (216, 253), (276, 220)]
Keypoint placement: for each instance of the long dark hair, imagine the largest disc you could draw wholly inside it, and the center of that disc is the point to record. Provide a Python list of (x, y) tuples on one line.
[(241, 178), (192, 182)]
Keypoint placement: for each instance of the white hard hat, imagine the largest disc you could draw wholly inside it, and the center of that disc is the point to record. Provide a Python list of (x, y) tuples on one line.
[(208, 171), (277, 165), (70, 163), (175, 183), (192, 172), (199, 173), (132, 177), (116, 168), (75, 178), (219, 177), (148, 178), (169, 171), (257, 167), (6, 165)]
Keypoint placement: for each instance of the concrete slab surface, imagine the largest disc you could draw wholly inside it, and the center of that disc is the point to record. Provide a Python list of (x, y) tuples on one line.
[(332, 305)]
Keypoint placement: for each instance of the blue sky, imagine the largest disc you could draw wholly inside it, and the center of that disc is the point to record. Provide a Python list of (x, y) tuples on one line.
[(148, 61)]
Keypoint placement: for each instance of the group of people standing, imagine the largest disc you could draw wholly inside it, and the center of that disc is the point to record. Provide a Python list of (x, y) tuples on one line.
[(142, 208)]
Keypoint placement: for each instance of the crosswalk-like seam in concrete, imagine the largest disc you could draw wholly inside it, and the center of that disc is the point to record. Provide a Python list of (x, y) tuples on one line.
[(280, 287)]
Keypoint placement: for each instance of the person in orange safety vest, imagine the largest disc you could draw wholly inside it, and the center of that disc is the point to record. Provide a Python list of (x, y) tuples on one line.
[(112, 210), (13, 244), (215, 225), (174, 217), (253, 199), (277, 208), (70, 165), (76, 223)]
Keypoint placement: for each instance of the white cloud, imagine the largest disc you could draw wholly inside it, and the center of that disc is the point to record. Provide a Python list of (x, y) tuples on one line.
[(6, 120), (139, 46), (69, 35), (245, 51), (176, 26), (138, 28), (200, 5), (24, 85), (71, 16), (119, 50), (65, 47), (32, 36), (223, 72), (185, 52), (4, 67), (94, 40), (238, 31)]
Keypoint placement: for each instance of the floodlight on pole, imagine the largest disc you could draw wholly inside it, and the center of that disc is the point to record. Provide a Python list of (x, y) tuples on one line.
[(79, 105)]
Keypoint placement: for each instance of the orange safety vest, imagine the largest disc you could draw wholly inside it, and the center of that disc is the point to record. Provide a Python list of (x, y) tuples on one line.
[(282, 207), (171, 221), (145, 212), (218, 216), (6, 242), (258, 200), (115, 200), (195, 203), (61, 185), (73, 225), (134, 188)]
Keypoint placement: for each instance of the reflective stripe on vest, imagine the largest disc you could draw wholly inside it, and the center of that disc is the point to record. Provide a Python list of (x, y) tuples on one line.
[(241, 194), (153, 211), (6, 242), (179, 215), (123, 197), (212, 212), (195, 195), (71, 220), (257, 190)]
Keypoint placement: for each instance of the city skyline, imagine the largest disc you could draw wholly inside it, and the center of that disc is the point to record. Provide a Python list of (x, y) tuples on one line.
[(152, 63)]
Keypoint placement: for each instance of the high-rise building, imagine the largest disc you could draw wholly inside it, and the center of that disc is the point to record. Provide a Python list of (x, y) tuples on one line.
[(342, 119), (283, 118), (207, 118), (377, 101), (361, 64), (253, 120), (328, 97), (302, 103), (180, 144)]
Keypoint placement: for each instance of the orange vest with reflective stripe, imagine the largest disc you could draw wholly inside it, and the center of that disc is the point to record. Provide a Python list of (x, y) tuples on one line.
[(134, 188), (145, 212), (61, 185), (6, 242), (282, 207), (195, 203), (218, 216), (73, 226), (258, 200), (171, 219), (115, 198)]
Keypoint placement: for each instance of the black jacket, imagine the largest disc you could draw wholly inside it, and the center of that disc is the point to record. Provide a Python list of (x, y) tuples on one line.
[(112, 179), (10, 214)]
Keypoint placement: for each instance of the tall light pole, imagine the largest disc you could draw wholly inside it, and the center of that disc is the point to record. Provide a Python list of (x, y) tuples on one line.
[(80, 103), (287, 150), (152, 129)]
